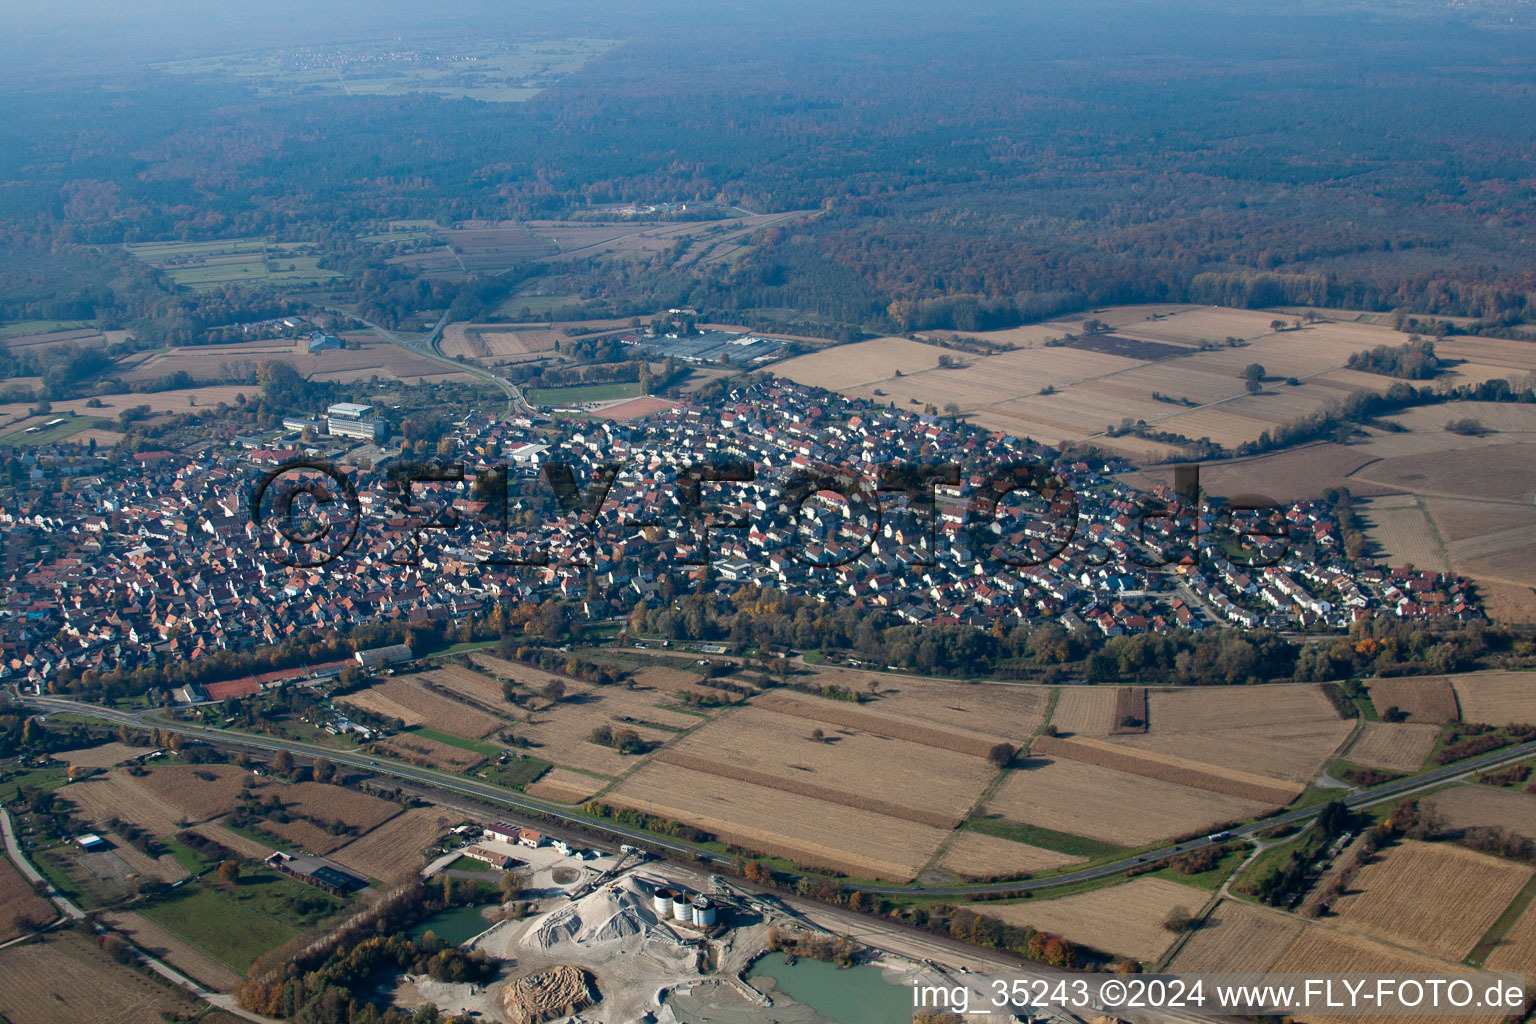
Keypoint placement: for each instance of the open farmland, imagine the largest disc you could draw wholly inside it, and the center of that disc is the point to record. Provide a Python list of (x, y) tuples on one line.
[(1431, 700), (1282, 732), (1517, 951), (428, 752), (1108, 805), (118, 795), (21, 909), (812, 832), (244, 261), (200, 792), (981, 710), (1322, 948), (848, 717), (976, 855), (466, 684), (406, 698), (1397, 747), (104, 755), (66, 977), (1497, 698), (174, 950), (324, 817), (392, 852), (1125, 920), (164, 868), (365, 356), (1430, 896), (1477, 806), (1238, 936), (513, 343), (1168, 768), (565, 786), (236, 841), (855, 768), (1084, 711)]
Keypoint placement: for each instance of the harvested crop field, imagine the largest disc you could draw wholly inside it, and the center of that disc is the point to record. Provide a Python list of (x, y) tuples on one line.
[(118, 795), (1281, 732), (1497, 698), (1084, 710), (1238, 937), (21, 909), (104, 755), (1474, 805), (812, 832), (393, 852), (854, 768), (67, 978), (844, 366), (565, 786), (428, 753), (1429, 701), (1167, 768), (1010, 713), (1397, 747), (405, 698), (174, 950), (1112, 806), (978, 856), (1126, 920), (479, 689), (634, 408), (233, 840), (200, 792), (562, 733), (315, 809), (1131, 711), (1516, 952), (1430, 896), (849, 717)]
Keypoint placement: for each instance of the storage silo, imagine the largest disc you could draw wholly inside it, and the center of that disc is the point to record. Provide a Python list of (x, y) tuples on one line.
[(681, 910), (661, 902), (703, 911)]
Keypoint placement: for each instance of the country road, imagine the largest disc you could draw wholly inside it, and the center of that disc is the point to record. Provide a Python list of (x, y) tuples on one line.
[(495, 794)]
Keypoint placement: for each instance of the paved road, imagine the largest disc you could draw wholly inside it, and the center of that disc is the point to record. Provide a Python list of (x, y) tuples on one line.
[(495, 794), (431, 348)]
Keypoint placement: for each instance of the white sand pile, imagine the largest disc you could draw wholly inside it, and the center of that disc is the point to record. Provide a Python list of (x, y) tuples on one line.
[(612, 913)]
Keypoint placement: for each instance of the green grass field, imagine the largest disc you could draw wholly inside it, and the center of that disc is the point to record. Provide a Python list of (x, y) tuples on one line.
[(23, 327), (233, 261), (235, 925), (1046, 839), (72, 425), (463, 743), (583, 393)]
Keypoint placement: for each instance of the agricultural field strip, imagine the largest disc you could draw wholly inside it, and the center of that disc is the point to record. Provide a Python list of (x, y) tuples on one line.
[(1152, 765), (828, 712)]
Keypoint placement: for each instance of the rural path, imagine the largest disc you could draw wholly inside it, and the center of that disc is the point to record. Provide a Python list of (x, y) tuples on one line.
[(13, 849)]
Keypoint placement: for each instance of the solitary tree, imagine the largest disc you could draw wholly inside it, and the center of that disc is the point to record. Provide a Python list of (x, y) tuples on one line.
[(1000, 755), (229, 872), (554, 691)]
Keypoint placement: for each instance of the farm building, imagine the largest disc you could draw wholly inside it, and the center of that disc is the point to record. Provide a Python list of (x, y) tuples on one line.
[(322, 342), (514, 834), (381, 656), (316, 871), (90, 841), (495, 859)]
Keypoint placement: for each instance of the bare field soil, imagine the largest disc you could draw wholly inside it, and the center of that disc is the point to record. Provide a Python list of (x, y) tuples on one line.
[(21, 909), (234, 840), (1298, 474), (15, 414), (1239, 937), (1474, 805), (104, 755), (848, 766), (562, 733), (1434, 897), (1404, 532), (1428, 700), (1126, 920), (1168, 768), (478, 341), (174, 950), (812, 832), (429, 752), (565, 786), (979, 856), (1497, 698), (1397, 747), (479, 689), (405, 698), (67, 978), (393, 852), (634, 409), (1112, 806)]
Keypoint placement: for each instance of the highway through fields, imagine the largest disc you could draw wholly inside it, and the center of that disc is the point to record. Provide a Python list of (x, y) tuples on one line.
[(445, 781)]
